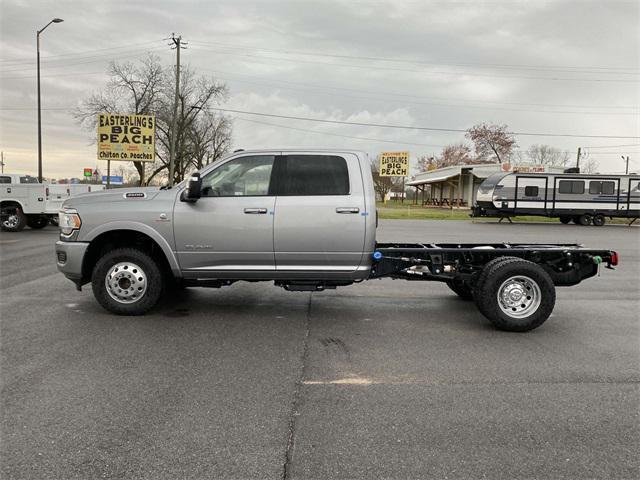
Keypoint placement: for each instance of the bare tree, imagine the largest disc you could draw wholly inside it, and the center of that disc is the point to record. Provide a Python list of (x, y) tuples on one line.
[(588, 164), (132, 89), (547, 155), (148, 88), (451, 155), (491, 142), (198, 131)]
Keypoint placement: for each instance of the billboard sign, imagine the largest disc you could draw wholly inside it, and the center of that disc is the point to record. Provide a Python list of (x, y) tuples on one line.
[(126, 137), (394, 164)]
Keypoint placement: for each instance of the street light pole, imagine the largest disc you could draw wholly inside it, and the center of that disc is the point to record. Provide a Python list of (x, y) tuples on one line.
[(55, 20)]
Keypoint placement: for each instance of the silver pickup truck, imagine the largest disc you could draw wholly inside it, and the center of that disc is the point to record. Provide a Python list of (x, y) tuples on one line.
[(303, 219)]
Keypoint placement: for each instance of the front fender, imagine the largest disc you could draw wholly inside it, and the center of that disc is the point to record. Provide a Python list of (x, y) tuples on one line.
[(137, 227)]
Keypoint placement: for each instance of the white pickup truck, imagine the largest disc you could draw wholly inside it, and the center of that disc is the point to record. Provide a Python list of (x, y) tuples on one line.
[(26, 202)]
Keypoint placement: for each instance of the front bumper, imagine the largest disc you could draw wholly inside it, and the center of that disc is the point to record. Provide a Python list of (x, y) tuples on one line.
[(69, 257)]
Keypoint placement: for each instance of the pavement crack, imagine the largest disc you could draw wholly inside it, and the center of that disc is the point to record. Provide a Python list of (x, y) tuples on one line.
[(286, 468)]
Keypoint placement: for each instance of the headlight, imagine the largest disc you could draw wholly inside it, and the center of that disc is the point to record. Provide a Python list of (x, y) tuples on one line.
[(68, 221)]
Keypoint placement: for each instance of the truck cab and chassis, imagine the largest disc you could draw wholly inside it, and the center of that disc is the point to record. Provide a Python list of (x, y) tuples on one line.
[(305, 220)]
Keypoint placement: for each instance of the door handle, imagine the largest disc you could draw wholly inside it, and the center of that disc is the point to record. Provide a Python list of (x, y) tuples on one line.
[(255, 211), (347, 210)]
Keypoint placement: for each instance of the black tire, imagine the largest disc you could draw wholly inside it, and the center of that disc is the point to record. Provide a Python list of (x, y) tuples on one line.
[(461, 289), (37, 221), (585, 219), (565, 220), (132, 264), (54, 221), (530, 285), (13, 219), (599, 220), (484, 274)]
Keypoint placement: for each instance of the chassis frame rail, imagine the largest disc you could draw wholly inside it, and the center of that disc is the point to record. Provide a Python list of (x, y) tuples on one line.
[(567, 264)]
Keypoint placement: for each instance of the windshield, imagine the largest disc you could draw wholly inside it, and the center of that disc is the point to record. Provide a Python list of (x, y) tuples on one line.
[(490, 182)]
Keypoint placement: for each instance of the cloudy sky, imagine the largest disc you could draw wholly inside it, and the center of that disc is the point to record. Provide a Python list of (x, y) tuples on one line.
[(568, 68)]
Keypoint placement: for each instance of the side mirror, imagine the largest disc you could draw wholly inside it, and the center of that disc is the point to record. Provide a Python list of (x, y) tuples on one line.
[(194, 189)]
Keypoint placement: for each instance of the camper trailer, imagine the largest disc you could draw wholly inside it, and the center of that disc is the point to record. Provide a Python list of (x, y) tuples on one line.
[(572, 197)]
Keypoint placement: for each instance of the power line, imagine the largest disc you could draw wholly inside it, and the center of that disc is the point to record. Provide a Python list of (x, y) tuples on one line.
[(423, 72), (571, 69), (404, 95), (416, 102), (29, 60), (397, 142), (409, 127), (89, 59)]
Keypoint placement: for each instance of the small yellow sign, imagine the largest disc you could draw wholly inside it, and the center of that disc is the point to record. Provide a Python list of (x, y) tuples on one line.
[(125, 137), (394, 164)]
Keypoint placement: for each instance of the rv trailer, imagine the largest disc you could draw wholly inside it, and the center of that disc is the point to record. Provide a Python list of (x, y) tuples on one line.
[(572, 197)]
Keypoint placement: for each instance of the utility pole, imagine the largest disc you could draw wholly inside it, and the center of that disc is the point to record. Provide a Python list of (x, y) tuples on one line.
[(578, 158), (2, 162), (627, 169), (177, 45)]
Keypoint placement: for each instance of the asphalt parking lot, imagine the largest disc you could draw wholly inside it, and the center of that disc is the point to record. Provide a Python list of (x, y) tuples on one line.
[(386, 379)]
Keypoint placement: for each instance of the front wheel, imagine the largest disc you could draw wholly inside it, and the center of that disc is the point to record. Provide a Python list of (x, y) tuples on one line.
[(127, 281), (37, 221), (13, 219), (517, 295)]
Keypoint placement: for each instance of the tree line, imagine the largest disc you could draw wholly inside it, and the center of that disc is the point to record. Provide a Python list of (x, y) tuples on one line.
[(490, 143)]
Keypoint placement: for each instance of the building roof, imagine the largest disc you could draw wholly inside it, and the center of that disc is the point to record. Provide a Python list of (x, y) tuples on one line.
[(482, 171), (440, 174)]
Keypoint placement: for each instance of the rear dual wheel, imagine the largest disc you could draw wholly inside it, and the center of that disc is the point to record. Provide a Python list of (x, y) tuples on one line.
[(514, 294), (584, 219)]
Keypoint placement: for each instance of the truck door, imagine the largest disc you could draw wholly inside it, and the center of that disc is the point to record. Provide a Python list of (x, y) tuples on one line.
[(320, 213), (531, 193), (230, 227)]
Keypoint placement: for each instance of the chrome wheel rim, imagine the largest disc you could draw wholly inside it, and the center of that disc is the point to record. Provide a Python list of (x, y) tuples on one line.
[(519, 296), (11, 221), (126, 282)]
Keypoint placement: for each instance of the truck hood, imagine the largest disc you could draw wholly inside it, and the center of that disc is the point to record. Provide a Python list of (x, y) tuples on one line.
[(137, 194)]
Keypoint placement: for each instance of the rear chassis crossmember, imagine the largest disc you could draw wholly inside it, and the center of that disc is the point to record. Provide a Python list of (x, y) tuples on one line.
[(566, 264)]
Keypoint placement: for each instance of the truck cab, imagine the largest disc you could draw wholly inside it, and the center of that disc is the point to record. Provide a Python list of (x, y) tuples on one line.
[(305, 219)]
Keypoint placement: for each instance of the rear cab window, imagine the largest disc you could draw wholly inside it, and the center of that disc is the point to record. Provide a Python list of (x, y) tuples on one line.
[(312, 175)]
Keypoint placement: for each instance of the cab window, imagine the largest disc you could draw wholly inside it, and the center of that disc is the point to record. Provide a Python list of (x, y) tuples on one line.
[(5, 179), (305, 175), (241, 177)]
